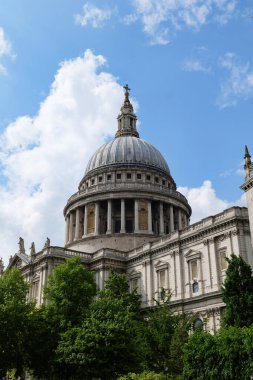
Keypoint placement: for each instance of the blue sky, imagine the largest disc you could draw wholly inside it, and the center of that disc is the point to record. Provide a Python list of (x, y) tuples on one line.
[(189, 65)]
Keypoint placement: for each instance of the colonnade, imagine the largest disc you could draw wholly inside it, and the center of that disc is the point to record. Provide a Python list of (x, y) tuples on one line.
[(123, 216)]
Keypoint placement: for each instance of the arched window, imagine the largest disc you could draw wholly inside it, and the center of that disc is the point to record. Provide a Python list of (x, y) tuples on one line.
[(197, 324)]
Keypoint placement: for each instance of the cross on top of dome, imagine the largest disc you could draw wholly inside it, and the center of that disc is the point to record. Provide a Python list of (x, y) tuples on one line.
[(127, 89), (127, 118)]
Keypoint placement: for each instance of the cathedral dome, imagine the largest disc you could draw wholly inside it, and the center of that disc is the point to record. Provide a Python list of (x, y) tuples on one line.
[(127, 196), (127, 150)]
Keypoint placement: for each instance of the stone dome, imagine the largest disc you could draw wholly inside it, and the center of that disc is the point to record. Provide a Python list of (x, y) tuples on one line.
[(128, 151)]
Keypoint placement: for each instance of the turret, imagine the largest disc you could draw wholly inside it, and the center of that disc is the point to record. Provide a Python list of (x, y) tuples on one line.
[(248, 164), (127, 118), (247, 186)]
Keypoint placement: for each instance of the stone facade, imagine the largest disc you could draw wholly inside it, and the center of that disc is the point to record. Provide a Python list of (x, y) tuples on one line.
[(128, 216)]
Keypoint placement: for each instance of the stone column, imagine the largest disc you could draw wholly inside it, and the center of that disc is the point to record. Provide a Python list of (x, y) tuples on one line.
[(171, 219), (71, 226), (136, 215), (96, 218), (109, 216), (161, 219), (67, 229), (77, 224), (39, 301), (85, 221), (149, 218), (185, 220), (123, 217), (179, 220)]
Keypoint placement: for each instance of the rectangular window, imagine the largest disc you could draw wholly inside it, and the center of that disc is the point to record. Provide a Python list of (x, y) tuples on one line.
[(195, 287), (134, 284), (129, 175), (92, 181), (148, 177), (223, 261), (118, 176), (138, 176), (194, 269), (109, 177), (162, 278), (100, 178), (163, 182), (156, 179)]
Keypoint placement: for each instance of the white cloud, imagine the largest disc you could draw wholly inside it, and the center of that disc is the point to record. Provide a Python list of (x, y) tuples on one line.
[(194, 65), (162, 19), (94, 16), (2, 70), (5, 50), (43, 158), (5, 45), (239, 82), (204, 201)]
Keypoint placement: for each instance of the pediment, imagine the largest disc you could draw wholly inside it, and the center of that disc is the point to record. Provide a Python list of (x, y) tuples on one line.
[(134, 273), (161, 264), (192, 254), (18, 261)]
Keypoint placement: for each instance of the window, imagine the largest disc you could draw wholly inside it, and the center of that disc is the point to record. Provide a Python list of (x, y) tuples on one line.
[(87, 184), (223, 261), (134, 284), (92, 181), (156, 179), (163, 182), (100, 178), (109, 177), (129, 175), (195, 286), (118, 176), (148, 177), (194, 276), (162, 278), (138, 176), (197, 324), (194, 269)]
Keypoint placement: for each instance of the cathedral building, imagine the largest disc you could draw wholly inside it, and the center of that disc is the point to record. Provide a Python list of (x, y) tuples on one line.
[(127, 216)]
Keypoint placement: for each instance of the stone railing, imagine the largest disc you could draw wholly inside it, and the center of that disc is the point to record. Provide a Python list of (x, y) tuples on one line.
[(68, 252), (109, 187)]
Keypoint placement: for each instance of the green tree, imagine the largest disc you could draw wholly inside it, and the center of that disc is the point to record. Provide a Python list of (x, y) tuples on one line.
[(14, 321), (144, 376), (116, 287), (164, 336), (234, 361), (226, 356), (69, 292), (237, 293), (201, 359), (107, 344)]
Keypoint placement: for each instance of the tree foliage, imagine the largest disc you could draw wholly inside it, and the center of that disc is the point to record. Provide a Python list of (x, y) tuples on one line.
[(69, 292), (200, 357), (106, 344), (225, 356), (14, 321), (237, 293), (164, 335)]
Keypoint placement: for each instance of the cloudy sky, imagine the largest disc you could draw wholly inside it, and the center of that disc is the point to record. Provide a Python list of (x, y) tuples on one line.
[(189, 64)]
